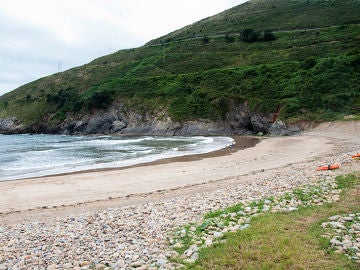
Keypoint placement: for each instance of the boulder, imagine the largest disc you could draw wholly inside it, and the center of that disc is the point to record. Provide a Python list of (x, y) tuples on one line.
[(279, 128), (259, 123), (11, 125), (100, 124), (117, 126)]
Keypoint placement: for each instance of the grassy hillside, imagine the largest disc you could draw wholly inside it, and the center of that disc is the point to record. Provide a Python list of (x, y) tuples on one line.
[(274, 15), (310, 71)]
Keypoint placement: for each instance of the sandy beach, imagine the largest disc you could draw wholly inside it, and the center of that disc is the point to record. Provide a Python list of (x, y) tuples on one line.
[(75, 193)]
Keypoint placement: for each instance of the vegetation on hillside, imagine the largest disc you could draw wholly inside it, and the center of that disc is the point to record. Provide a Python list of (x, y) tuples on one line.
[(200, 72)]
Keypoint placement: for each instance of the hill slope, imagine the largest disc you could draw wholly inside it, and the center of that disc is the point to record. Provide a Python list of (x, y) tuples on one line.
[(304, 65)]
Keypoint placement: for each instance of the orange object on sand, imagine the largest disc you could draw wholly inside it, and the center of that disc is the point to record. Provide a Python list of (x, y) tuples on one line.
[(356, 155), (328, 167)]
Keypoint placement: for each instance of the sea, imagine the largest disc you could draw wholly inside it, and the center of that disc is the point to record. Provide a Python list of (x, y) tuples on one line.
[(26, 156)]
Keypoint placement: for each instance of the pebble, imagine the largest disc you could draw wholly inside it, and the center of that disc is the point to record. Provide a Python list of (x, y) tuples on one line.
[(344, 232), (138, 236)]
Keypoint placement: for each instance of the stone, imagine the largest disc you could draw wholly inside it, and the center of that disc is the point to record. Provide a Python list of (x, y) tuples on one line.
[(208, 242), (218, 234), (245, 226), (188, 252), (84, 263), (178, 245), (161, 262), (195, 256), (348, 219), (51, 267), (10, 126), (68, 265), (136, 264), (100, 123), (117, 126), (284, 130), (189, 261)]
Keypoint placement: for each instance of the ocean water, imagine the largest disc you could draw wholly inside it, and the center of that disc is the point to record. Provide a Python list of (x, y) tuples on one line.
[(24, 156)]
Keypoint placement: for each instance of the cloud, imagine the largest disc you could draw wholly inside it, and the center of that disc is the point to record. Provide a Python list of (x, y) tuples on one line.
[(36, 34)]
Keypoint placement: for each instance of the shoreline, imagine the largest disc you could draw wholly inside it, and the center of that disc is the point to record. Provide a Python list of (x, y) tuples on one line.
[(39, 198), (42, 212), (134, 228), (241, 142)]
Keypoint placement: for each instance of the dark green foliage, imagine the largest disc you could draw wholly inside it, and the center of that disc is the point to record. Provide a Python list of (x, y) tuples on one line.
[(268, 36), (229, 39), (309, 62), (28, 98), (205, 40), (303, 74), (67, 100), (100, 100), (249, 35)]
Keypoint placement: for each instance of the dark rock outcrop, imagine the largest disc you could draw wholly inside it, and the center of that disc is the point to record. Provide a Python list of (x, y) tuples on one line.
[(120, 120), (11, 126), (279, 128)]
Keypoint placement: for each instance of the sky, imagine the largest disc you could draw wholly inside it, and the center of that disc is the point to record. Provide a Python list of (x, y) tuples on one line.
[(41, 37)]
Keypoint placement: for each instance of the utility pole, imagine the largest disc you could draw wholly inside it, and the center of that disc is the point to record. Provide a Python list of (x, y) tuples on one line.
[(59, 66), (163, 53)]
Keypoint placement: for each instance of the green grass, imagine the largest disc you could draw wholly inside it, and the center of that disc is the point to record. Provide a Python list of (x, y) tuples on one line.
[(286, 240), (231, 209), (274, 15)]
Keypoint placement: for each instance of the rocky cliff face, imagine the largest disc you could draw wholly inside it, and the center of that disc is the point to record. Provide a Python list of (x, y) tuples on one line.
[(119, 120), (11, 126)]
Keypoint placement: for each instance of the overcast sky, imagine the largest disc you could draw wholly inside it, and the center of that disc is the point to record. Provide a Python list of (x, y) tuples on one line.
[(37, 37)]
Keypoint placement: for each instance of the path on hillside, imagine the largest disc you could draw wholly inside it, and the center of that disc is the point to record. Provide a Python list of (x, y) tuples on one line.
[(216, 35)]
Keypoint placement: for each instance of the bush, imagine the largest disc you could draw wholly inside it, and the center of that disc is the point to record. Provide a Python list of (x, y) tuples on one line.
[(249, 35), (100, 100), (309, 63), (229, 39), (269, 36), (205, 40)]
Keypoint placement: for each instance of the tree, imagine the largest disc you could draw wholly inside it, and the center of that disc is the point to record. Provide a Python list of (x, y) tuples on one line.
[(205, 40), (249, 35), (269, 36), (229, 39)]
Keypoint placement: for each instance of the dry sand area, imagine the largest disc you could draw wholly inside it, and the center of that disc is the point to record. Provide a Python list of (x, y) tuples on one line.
[(41, 198)]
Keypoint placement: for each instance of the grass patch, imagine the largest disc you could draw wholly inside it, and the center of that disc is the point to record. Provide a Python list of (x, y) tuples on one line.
[(231, 209), (346, 182), (290, 240)]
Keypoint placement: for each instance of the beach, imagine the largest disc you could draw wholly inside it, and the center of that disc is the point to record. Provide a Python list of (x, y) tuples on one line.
[(146, 202)]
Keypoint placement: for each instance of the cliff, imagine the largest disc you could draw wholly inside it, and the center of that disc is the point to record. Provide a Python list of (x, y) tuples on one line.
[(119, 120)]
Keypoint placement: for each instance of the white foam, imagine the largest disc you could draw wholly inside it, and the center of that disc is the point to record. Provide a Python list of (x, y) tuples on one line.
[(39, 155)]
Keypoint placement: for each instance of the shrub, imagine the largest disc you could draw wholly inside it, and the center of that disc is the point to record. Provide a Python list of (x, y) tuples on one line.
[(249, 35), (100, 100)]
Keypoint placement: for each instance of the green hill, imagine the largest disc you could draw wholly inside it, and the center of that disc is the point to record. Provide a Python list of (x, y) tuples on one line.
[(299, 59)]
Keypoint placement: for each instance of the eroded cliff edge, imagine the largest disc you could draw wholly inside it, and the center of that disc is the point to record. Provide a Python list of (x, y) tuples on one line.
[(118, 119)]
